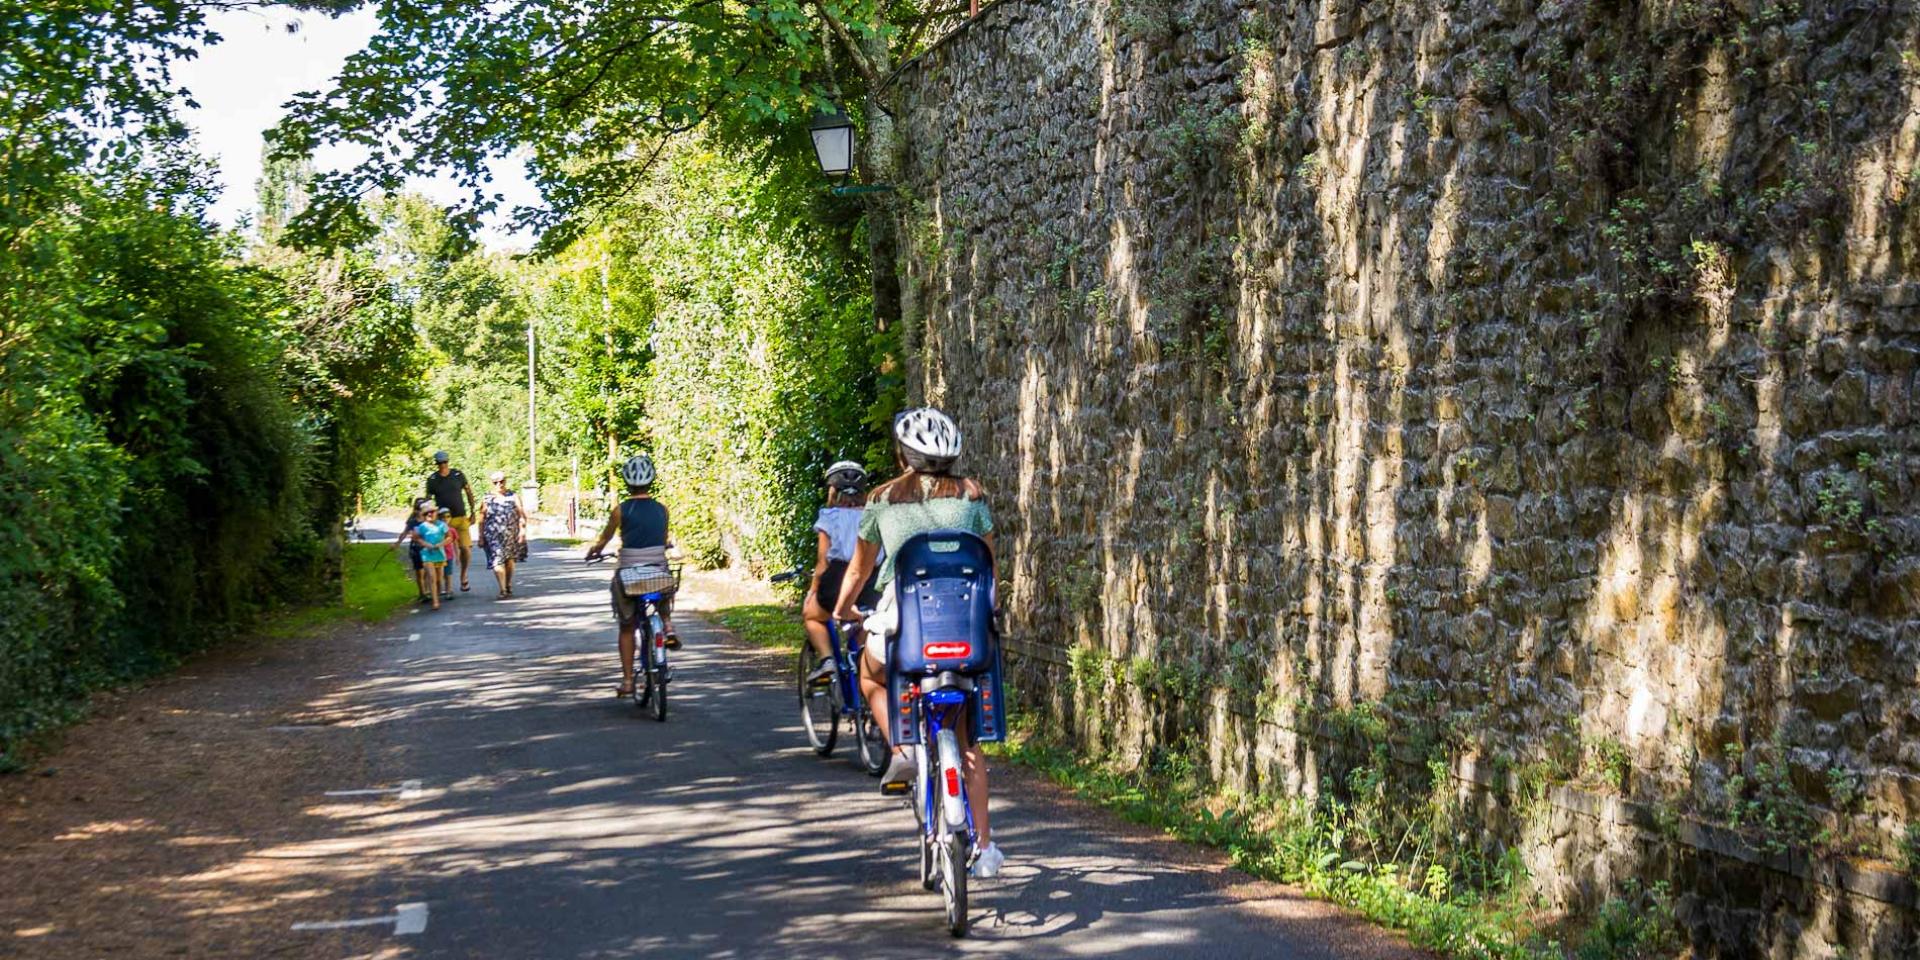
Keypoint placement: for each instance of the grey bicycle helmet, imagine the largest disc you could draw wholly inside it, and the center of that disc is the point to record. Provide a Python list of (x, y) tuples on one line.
[(929, 439), (638, 471), (847, 476)]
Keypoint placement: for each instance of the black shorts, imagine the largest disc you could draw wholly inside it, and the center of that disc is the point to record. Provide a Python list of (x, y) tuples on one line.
[(414, 555), (831, 578)]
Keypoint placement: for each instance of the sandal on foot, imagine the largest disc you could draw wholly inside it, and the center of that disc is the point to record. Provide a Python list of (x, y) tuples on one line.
[(673, 641)]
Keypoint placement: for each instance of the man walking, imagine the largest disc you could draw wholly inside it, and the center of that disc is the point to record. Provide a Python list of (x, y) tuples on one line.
[(449, 488)]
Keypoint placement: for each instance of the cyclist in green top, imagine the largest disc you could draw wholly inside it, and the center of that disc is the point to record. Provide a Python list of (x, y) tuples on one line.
[(927, 495)]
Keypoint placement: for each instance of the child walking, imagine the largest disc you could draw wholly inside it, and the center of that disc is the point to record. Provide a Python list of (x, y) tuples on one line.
[(432, 534), (419, 566)]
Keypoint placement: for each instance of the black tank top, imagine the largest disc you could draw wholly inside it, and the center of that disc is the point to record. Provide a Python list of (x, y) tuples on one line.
[(643, 523)]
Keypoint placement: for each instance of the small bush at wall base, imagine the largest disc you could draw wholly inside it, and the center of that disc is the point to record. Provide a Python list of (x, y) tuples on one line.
[(1637, 926)]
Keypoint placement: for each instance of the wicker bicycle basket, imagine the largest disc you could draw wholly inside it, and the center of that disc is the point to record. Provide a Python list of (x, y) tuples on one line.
[(648, 578)]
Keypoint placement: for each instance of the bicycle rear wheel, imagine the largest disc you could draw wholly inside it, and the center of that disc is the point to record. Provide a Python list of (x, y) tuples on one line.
[(871, 743), (953, 882), (819, 711)]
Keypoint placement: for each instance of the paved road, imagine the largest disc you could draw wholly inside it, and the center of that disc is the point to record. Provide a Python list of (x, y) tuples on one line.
[(556, 822)]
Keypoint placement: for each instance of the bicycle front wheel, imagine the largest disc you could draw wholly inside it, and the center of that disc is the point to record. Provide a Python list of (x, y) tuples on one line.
[(819, 713)]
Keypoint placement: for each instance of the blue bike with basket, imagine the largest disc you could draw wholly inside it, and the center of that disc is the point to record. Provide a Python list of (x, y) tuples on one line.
[(648, 585), (945, 675)]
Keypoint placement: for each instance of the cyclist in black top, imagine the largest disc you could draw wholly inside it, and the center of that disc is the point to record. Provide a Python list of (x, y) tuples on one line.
[(641, 522)]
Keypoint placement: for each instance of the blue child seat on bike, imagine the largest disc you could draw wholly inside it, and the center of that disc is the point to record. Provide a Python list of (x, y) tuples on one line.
[(944, 592)]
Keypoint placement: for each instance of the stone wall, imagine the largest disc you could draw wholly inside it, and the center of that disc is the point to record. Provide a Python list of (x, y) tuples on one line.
[(1536, 379)]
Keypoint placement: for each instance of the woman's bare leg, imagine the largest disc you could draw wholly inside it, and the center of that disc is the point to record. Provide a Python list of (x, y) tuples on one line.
[(815, 618), (875, 694), (626, 657), (975, 764)]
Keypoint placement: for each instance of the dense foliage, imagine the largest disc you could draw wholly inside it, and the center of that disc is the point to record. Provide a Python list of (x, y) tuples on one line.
[(726, 345), (178, 427), (705, 320), (593, 93)]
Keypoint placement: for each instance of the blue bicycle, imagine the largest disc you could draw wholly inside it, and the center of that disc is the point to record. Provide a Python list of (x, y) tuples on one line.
[(943, 677), (827, 700), (651, 674)]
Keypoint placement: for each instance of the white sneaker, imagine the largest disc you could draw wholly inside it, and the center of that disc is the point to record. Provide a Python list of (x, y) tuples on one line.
[(900, 770), (987, 865)]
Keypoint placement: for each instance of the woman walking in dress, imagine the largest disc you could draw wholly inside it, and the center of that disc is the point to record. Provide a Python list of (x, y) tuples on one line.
[(503, 531)]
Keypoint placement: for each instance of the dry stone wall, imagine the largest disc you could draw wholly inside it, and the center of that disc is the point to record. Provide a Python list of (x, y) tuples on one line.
[(1536, 380)]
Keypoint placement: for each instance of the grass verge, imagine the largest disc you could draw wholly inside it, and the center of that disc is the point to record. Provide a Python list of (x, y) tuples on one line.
[(1467, 911), (764, 624), (376, 582)]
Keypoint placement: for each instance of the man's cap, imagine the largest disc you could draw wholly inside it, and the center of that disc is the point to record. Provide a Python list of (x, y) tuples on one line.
[(498, 476), (440, 456)]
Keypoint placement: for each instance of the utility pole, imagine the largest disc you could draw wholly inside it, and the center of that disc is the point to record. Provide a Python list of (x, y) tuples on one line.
[(533, 464), (606, 327)]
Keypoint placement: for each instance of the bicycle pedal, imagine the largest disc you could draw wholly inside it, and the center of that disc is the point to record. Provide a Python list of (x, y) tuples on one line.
[(895, 789)]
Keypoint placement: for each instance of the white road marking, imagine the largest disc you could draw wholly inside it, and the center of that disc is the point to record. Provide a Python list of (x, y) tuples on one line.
[(411, 637), (408, 919), (407, 790)]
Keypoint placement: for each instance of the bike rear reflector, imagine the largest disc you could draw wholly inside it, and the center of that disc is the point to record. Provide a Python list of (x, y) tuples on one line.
[(953, 782), (945, 651)]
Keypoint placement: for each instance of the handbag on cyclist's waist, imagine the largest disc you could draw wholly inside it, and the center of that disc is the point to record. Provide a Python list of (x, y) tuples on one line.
[(645, 570)]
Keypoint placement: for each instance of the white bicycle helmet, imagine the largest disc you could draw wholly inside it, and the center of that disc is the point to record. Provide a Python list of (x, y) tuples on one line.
[(638, 471), (930, 439)]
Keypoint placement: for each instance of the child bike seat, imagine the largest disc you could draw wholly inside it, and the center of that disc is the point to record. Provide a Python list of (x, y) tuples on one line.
[(944, 595)]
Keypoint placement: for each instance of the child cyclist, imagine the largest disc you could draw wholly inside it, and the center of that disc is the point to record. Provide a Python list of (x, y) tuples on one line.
[(838, 529)]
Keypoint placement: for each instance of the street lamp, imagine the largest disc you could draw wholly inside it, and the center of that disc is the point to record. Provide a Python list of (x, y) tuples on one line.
[(832, 142), (832, 134)]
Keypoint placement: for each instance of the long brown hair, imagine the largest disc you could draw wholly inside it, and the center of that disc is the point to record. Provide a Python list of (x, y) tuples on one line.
[(838, 498), (917, 486)]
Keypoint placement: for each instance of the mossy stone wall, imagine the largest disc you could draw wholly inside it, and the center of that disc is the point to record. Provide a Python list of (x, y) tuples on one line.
[(1539, 375)]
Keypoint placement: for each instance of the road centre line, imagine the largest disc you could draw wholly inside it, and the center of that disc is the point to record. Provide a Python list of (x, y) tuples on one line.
[(407, 919)]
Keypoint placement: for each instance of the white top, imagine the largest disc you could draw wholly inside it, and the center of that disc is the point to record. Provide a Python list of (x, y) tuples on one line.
[(842, 527)]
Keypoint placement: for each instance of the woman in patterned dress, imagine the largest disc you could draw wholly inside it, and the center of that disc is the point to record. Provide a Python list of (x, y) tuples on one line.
[(503, 531)]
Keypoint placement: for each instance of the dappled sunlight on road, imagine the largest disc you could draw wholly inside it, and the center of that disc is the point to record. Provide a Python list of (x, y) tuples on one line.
[(540, 791)]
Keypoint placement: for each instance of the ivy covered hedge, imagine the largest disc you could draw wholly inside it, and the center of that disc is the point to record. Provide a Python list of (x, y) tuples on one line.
[(183, 420), (153, 460), (720, 320)]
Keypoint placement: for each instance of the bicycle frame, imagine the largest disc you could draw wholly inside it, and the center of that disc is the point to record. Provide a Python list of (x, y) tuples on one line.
[(846, 655), (652, 644), (929, 709)]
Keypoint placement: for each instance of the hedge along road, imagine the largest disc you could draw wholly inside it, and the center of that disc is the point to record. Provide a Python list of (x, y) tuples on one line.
[(552, 820)]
